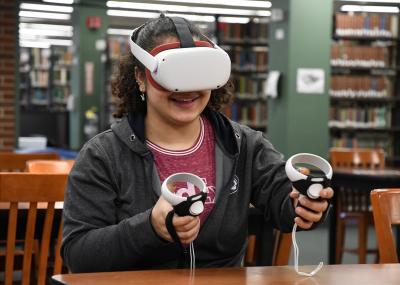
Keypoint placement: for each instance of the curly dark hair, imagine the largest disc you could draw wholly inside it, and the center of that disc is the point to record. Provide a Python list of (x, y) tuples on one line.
[(125, 90)]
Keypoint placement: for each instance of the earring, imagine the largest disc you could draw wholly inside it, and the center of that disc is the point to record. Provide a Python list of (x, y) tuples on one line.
[(142, 96)]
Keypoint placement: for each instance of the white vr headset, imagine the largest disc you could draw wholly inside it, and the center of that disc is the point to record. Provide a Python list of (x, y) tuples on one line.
[(184, 66), (307, 184)]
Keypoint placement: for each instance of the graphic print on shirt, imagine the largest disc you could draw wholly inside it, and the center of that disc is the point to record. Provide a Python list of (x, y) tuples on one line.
[(199, 160), (191, 190)]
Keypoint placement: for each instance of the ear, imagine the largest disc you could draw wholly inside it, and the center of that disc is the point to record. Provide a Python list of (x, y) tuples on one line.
[(140, 76)]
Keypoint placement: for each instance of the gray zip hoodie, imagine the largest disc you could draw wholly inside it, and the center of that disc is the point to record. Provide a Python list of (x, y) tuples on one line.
[(114, 185)]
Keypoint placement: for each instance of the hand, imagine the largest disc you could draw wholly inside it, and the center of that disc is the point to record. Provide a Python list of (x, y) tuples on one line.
[(312, 210), (187, 227)]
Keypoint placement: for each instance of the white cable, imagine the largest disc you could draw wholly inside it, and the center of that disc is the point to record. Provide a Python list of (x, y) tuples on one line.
[(192, 256), (296, 256)]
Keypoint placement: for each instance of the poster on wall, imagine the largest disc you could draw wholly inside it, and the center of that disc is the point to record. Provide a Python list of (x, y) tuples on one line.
[(310, 81)]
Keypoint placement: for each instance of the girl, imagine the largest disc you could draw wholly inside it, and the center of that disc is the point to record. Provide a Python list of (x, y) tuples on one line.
[(114, 216)]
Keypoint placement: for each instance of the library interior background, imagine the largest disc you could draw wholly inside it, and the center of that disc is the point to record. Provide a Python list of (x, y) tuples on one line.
[(310, 74)]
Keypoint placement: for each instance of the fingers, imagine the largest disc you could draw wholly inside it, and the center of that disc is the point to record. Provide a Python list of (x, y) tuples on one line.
[(190, 230), (302, 223), (326, 193), (313, 205)]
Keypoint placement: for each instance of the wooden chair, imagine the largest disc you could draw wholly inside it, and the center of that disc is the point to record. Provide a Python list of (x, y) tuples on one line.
[(354, 204), (265, 245), (27, 192), (49, 166), (11, 161), (52, 166), (386, 212)]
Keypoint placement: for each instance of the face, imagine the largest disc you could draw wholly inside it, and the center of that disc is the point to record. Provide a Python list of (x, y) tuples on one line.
[(172, 108)]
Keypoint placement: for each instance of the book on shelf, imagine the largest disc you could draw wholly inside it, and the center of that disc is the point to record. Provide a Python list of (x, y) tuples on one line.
[(367, 25), (361, 86), (348, 55), (360, 117)]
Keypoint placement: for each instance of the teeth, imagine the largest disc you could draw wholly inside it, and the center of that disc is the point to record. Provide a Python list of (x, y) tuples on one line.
[(184, 99)]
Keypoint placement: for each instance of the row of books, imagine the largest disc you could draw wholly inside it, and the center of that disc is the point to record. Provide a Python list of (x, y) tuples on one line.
[(116, 47), (362, 140), (359, 86), (39, 78), (254, 114), (61, 75), (360, 56), (36, 57), (62, 56), (252, 32), (357, 117), (248, 59), (368, 25), (249, 86)]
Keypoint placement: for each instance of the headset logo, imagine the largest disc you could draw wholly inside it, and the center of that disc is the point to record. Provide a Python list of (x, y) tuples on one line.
[(235, 185)]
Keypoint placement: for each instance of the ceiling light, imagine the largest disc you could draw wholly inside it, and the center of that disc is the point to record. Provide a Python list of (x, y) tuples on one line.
[(43, 32), (186, 9), (374, 1), (59, 1), (44, 43), (133, 14), (239, 3), (122, 32), (34, 44), (43, 15), (193, 18), (376, 9), (64, 28), (238, 20), (49, 8)]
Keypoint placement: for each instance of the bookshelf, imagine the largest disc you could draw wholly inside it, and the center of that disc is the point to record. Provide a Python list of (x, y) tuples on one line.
[(44, 90), (365, 89), (45, 77), (247, 47)]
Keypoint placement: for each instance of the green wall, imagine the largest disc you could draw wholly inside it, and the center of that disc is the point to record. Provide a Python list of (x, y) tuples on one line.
[(299, 122), (84, 40)]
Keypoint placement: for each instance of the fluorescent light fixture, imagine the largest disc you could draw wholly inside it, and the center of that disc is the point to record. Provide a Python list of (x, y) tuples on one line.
[(64, 28), (239, 3), (122, 32), (59, 1), (56, 42), (374, 1), (194, 18), (376, 9), (133, 14), (186, 9), (34, 44), (238, 20), (43, 15), (44, 43), (43, 32), (48, 8)]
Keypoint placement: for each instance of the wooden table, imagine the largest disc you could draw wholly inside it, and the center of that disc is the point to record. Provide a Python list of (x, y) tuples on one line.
[(366, 274), (365, 180)]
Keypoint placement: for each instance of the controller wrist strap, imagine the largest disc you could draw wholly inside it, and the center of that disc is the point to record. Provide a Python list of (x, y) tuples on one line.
[(174, 235), (296, 253)]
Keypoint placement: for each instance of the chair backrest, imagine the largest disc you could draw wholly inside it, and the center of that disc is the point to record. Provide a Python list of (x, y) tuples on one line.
[(386, 211), (49, 166), (11, 161), (368, 158), (41, 192), (265, 245)]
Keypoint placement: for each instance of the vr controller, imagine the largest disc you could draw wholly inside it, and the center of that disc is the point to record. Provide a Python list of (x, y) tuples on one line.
[(307, 184), (184, 206)]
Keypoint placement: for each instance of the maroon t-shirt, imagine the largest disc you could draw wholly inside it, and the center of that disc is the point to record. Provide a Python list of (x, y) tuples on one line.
[(199, 160)]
